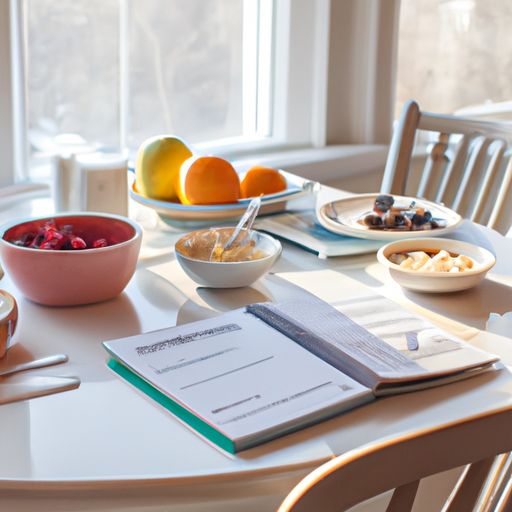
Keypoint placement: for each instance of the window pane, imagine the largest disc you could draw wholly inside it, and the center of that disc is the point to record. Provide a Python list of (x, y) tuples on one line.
[(185, 69), (73, 72), (454, 53)]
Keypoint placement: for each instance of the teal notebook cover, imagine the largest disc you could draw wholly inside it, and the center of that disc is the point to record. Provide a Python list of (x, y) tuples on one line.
[(174, 408)]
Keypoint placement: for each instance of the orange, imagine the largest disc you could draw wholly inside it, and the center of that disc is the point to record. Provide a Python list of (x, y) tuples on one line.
[(260, 181), (207, 180)]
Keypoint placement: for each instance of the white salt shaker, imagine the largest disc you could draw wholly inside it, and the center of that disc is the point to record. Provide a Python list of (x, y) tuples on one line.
[(103, 184)]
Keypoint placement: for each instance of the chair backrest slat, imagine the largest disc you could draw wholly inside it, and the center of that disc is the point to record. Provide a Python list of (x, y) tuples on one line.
[(403, 497), (497, 149), (401, 149), (496, 219), (450, 183), (472, 173), (435, 168)]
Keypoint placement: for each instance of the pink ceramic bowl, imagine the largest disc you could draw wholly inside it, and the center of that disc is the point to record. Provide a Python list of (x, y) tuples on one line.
[(77, 276)]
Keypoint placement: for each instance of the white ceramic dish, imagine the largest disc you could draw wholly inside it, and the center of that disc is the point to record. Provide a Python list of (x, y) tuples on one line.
[(344, 217), (437, 282), (271, 203), (232, 274)]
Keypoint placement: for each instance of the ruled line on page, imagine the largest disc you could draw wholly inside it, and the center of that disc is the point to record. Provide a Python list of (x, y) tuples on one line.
[(227, 373), (240, 402), (192, 361), (278, 403)]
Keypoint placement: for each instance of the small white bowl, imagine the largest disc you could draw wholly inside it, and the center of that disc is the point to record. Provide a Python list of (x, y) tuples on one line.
[(234, 274), (437, 282)]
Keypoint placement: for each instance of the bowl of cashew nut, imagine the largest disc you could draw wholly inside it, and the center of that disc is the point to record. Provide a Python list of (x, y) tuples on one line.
[(436, 265)]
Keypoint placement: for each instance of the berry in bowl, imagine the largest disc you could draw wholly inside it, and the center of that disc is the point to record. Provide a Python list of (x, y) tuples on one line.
[(70, 259)]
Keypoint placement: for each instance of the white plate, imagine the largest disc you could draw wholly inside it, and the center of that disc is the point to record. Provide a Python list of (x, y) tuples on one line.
[(344, 217), (271, 203)]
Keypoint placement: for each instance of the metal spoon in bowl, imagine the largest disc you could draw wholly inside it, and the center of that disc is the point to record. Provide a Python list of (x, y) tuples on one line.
[(37, 363)]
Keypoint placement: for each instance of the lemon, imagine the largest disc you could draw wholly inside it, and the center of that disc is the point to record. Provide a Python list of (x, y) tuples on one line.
[(158, 163)]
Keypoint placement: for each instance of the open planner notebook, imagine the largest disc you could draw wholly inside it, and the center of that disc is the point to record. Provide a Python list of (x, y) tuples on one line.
[(259, 372)]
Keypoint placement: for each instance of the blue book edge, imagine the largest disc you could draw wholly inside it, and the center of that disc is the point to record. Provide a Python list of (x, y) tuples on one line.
[(174, 408)]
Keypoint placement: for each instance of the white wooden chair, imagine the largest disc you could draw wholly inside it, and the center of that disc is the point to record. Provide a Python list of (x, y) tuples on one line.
[(399, 464), (468, 168)]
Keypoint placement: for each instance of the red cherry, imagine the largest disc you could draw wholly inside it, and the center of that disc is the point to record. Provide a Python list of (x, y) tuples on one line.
[(50, 237), (78, 243)]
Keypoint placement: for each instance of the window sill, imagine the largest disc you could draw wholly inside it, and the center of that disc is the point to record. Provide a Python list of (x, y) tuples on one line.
[(331, 163)]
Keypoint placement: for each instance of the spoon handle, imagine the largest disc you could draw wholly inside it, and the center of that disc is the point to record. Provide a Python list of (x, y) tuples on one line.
[(246, 221), (37, 363)]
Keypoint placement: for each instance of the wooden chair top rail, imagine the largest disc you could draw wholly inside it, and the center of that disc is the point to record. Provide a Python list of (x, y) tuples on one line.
[(401, 462)]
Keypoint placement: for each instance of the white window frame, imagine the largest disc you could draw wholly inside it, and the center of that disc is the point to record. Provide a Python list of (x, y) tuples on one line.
[(13, 124), (298, 95), (333, 98)]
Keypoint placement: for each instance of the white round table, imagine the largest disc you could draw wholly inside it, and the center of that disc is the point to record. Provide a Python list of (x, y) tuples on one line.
[(106, 447)]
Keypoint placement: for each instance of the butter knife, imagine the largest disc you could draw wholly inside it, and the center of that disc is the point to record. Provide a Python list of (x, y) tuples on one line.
[(27, 386), (37, 363)]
